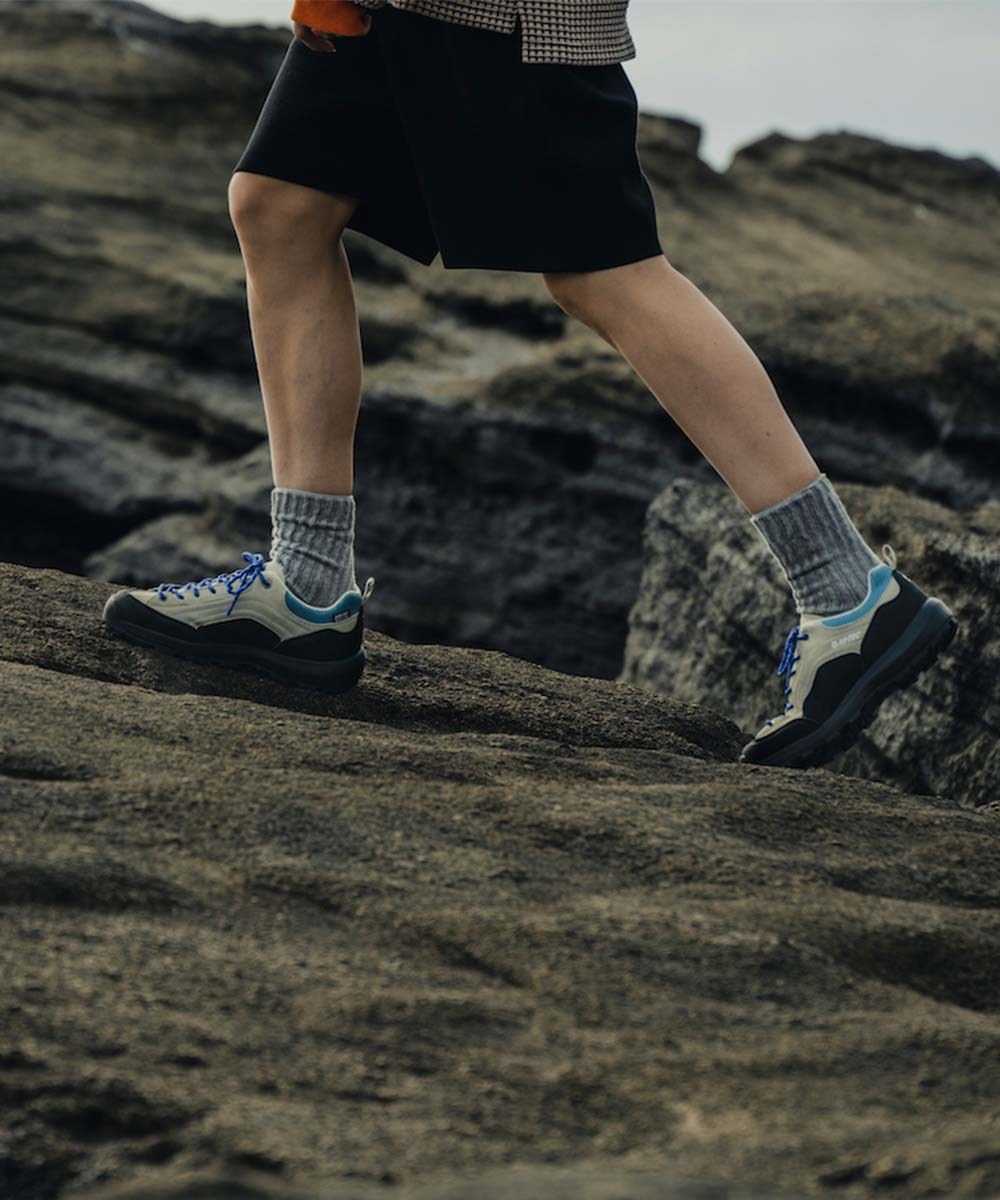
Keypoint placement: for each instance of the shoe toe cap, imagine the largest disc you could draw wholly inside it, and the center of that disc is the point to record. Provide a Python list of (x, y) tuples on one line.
[(765, 746), (125, 609), (117, 605), (753, 751)]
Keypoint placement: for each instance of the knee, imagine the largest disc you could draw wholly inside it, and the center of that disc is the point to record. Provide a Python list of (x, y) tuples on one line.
[(269, 213), (583, 295), (569, 291)]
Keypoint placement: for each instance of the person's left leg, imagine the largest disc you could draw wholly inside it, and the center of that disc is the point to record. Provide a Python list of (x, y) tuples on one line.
[(700, 370), (713, 385), (849, 602)]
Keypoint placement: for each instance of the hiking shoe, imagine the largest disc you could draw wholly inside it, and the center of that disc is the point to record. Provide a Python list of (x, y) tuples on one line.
[(838, 669), (249, 620)]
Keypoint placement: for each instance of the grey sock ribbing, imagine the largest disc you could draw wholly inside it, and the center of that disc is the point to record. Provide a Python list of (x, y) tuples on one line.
[(824, 558), (312, 540)]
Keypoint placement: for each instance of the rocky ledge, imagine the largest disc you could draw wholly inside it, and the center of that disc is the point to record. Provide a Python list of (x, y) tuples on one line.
[(506, 455), (476, 916)]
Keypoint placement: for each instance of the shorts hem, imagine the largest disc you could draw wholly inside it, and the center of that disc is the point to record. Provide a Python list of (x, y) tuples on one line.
[(453, 262), (303, 180), (425, 256)]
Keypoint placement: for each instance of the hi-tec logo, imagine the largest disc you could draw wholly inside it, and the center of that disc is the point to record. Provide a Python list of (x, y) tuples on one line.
[(849, 637)]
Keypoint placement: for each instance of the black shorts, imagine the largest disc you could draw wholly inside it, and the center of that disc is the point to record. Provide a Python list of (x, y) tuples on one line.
[(452, 144)]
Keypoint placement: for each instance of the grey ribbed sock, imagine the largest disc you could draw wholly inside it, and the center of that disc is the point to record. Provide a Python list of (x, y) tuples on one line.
[(312, 539), (824, 558)]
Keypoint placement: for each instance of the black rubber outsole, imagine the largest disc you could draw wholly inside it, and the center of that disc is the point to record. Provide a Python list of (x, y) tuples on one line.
[(846, 736), (331, 678)]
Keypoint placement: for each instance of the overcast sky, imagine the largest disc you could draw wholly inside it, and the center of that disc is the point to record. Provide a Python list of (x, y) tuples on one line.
[(918, 72)]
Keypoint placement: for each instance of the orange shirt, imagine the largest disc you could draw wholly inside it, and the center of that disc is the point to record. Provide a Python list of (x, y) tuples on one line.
[(342, 17)]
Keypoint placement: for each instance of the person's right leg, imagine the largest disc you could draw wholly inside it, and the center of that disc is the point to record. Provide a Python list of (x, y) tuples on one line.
[(304, 325), (297, 615)]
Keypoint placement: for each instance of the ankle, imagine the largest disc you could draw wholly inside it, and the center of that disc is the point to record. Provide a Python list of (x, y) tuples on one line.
[(313, 543), (823, 556)]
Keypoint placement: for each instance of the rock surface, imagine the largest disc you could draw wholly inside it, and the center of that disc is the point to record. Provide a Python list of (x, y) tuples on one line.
[(507, 455), (474, 913), (511, 1183), (261, 943), (707, 569)]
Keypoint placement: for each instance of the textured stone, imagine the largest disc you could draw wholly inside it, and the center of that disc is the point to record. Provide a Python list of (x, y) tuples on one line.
[(579, 1182), (472, 914), (506, 454)]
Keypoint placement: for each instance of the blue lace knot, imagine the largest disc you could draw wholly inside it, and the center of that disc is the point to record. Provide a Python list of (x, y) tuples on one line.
[(236, 582), (788, 654), (789, 657)]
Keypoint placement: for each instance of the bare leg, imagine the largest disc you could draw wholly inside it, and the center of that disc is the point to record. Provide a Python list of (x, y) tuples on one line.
[(308, 350), (712, 384), (304, 326), (699, 369)]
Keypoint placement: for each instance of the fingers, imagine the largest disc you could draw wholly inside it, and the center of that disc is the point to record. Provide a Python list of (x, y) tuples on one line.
[(313, 39)]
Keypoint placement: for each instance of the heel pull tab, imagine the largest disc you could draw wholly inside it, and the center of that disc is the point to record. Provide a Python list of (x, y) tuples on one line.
[(369, 588), (889, 555)]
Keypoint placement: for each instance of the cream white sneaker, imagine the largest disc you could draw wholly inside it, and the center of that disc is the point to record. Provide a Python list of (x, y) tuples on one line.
[(838, 669), (249, 620)]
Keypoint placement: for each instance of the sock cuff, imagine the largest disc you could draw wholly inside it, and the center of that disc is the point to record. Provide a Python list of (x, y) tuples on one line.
[(815, 512), (812, 516), (821, 485), (823, 556), (321, 510), (312, 539)]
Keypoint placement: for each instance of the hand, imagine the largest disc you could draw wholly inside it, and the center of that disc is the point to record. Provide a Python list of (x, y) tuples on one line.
[(315, 40)]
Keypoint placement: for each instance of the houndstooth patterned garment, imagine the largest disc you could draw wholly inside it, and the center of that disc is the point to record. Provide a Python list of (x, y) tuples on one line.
[(592, 32)]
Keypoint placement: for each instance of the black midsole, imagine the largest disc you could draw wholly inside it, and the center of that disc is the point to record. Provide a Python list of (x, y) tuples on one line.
[(330, 675)]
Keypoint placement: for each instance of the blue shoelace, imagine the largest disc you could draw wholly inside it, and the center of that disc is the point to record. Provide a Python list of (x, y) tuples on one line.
[(789, 657), (236, 582)]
